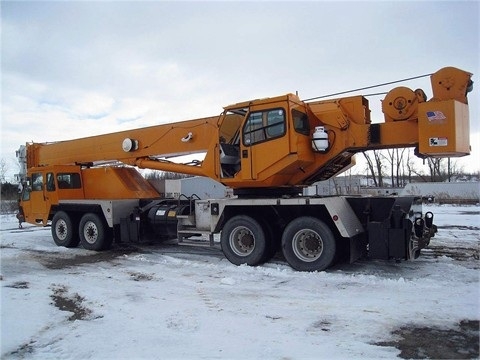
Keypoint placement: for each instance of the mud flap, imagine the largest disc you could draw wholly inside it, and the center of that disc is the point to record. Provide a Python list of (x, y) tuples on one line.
[(357, 247), (129, 231), (397, 244)]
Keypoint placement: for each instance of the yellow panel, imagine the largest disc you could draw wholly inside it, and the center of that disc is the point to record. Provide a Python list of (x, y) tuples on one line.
[(116, 183), (443, 128)]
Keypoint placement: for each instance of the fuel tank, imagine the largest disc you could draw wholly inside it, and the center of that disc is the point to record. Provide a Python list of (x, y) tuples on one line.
[(162, 218)]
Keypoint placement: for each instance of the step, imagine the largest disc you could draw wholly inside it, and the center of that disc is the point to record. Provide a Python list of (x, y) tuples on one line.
[(186, 220), (181, 233)]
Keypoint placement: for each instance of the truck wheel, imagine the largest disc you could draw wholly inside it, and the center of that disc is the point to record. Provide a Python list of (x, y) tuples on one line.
[(243, 241), (308, 244), (94, 234), (64, 232)]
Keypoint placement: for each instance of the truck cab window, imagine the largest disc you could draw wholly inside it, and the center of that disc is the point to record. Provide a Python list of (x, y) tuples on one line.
[(26, 193), (69, 181), (50, 182), (264, 125), (37, 182)]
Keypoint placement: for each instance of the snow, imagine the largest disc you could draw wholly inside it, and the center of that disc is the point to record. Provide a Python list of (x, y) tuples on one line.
[(154, 303)]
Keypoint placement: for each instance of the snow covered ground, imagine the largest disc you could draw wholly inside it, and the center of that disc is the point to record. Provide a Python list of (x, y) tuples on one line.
[(161, 302)]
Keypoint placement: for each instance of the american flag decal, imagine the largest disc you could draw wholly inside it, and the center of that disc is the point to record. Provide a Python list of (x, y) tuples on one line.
[(435, 115)]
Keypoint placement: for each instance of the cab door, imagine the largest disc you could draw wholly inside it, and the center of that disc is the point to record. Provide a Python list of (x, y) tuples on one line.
[(264, 143), (35, 202)]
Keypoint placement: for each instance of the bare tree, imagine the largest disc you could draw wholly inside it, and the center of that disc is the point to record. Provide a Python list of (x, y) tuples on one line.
[(435, 167), (371, 168), (375, 166), (3, 170), (399, 166), (454, 169), (408, 167), (394, 158), (439, 170), (161, 175), (389, 155)]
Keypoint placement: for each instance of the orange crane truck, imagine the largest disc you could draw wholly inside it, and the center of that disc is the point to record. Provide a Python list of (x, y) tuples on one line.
[(90, 192)]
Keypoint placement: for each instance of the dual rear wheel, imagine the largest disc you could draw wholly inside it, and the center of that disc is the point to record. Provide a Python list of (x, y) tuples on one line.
[(307, 243), (90, 231)]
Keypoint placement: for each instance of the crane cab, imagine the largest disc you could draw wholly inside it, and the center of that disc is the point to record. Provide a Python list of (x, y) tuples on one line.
[(265, 143)]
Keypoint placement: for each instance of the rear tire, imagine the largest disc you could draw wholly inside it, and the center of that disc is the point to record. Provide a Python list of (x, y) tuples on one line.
[(308, 244), (94, 233), (243, 241), (64, 231)]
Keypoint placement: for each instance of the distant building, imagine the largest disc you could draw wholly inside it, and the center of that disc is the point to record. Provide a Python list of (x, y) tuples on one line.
[(464, 190), (341, 185), (446, 192)]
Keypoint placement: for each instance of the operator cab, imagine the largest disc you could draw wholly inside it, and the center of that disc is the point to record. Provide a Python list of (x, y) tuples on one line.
[(266, 140)]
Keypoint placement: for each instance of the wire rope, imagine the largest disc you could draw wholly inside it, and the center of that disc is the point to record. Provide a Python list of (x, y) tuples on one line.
[(368, 87)]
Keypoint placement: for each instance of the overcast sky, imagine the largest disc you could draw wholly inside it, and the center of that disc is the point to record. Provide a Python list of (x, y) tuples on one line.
[(73, 69)]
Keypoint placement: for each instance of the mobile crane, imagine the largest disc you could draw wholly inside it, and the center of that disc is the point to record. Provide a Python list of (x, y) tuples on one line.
[(266, 150)]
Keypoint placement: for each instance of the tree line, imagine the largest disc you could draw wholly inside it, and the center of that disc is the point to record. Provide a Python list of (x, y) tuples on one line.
[(400, 166)]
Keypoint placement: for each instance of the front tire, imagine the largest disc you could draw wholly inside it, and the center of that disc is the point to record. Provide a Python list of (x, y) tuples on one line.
[(308, 244), (243, 241), (64, 231), (94, 234)]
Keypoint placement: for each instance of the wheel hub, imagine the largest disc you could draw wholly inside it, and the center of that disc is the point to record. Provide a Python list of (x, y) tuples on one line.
[(246, 241), (61, 229), (311, 244), (307, 245), (90, 232), (242, 241)]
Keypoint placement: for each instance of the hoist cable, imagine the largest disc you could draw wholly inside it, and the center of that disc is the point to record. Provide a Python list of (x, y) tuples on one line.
[(368, 87), (375, 94)]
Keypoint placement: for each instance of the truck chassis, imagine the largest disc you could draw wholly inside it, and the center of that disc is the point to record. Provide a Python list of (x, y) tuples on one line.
[(311, 232)]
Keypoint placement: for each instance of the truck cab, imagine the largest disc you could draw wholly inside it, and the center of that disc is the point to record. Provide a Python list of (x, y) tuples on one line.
[(45, 186)]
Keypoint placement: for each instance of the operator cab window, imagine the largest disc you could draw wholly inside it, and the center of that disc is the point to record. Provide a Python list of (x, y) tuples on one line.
[(263, 126), (300, 122)]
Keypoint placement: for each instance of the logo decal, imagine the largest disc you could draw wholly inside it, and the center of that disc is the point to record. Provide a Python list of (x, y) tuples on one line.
[(435, 115), (438, 141)]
